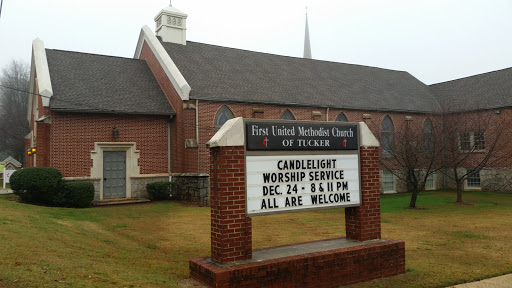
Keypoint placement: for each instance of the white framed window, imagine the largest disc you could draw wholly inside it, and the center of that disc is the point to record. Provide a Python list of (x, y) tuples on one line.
[(430, 182), (388, 182), (471, 141), (473, 180)]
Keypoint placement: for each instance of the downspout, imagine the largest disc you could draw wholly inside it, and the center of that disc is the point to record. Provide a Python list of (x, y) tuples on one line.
[(197, 131), (169, 147), (327, 114)]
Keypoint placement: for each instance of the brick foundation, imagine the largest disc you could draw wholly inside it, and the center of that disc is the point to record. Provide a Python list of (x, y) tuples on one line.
[(331, 268)]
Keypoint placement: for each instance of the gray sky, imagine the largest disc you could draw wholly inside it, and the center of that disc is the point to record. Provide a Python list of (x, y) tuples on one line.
[(434, 40)]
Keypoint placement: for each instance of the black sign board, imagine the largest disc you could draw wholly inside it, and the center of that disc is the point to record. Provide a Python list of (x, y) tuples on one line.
[(298, 136)]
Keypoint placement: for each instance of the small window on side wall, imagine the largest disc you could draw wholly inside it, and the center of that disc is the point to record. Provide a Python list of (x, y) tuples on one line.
[(430, 183), (388, 182), (287, 115), (223, 115), (341, 118), (473, 180)]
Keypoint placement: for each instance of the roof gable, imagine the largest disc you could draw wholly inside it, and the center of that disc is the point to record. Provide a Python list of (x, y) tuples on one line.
[(11, 161), (484, 91)]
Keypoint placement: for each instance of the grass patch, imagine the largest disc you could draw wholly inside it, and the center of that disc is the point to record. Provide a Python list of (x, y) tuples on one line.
[(469, 235), (149, 245)]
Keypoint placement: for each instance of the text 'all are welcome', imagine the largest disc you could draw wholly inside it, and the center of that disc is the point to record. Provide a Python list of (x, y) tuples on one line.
[(295, 182)]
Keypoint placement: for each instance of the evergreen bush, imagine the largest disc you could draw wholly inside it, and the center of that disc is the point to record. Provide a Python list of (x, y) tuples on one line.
[(37, 185), (160, 190), (77, 195)]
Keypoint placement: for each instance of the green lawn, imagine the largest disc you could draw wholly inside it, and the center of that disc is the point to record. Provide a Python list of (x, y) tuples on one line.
[(149, 245)]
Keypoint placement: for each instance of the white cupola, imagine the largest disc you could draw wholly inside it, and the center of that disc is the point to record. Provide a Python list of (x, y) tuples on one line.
[(171, 25)]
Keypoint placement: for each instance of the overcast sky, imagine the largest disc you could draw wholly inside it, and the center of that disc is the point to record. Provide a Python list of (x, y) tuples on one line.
[(434, 40)]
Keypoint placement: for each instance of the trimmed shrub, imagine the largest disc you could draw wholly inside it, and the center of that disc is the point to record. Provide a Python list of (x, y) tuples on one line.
[(77, 194), (37, 185), (160, 190)]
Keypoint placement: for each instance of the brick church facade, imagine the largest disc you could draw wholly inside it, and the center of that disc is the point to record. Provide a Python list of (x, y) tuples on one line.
[(121, 123)]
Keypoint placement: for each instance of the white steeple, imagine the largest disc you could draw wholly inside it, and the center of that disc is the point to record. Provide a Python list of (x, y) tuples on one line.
[(171, 25), (307, 44)]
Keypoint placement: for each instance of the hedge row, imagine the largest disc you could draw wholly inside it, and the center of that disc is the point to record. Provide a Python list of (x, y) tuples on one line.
[(45, 186)]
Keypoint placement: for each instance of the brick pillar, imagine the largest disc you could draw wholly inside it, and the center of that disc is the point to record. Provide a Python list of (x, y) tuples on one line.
[(363, 223), (231, 230)]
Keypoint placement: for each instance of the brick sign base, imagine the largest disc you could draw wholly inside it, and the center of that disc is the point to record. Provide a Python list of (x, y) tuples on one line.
[(361, 256), (332, 268)]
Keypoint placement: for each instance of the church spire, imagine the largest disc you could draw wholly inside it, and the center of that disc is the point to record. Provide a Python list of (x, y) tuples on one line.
[(307, 44)]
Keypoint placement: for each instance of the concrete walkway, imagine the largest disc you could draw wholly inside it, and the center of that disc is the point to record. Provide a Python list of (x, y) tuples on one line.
[(504, 281)]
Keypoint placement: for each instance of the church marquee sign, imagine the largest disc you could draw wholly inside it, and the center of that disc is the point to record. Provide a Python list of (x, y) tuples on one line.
[(295, 166)]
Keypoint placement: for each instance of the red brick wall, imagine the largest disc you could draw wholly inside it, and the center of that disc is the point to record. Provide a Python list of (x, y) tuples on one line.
[(208, 110), (43, 144), (73, 136), (231, 230), (29, 162), (183, 125)]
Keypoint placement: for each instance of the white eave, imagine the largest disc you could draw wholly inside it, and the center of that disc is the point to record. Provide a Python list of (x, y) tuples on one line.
[(170, 69), (43, 73)]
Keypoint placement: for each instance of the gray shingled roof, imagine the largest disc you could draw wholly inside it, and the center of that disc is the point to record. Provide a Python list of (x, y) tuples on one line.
[(103, 84), (227, 74), (484, 91)]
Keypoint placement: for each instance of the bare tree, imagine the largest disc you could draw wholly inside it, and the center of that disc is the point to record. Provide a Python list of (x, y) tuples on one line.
[(473, 140), (414, 153), (14, 84)]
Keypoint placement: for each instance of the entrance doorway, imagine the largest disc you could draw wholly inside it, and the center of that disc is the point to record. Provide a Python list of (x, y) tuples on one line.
[(114, 174)]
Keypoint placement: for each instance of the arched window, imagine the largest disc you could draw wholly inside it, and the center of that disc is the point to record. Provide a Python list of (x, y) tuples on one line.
[(428, 140), (387, 132), (341, 118), (223, 115), (287, 115)]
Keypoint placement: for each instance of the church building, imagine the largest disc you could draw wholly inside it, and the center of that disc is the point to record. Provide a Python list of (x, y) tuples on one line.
[(121, 123)]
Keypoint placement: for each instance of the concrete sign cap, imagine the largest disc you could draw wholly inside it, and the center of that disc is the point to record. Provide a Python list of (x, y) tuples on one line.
[(230, 134)]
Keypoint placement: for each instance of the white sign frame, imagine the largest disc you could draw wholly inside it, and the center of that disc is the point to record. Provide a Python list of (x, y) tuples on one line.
[(7, 175)]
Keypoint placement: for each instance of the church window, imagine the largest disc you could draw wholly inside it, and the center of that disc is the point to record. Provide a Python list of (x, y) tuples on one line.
[(341, 118), (387, 134), (287, 115), (223, 115)]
